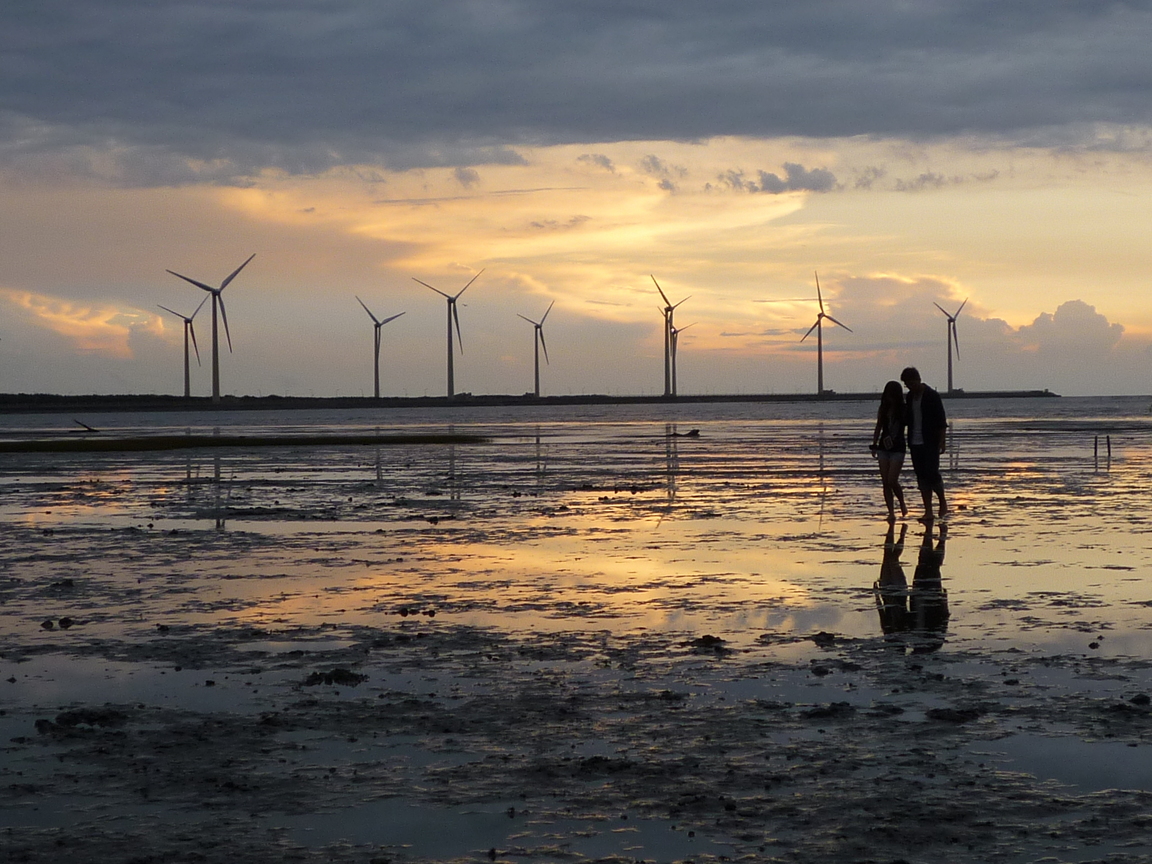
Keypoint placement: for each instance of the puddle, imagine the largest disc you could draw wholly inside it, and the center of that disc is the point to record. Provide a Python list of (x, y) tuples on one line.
[(454, 832), (1089, 766)]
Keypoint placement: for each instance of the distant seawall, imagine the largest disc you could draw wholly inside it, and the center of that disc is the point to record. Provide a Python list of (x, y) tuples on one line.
[(35, 403)]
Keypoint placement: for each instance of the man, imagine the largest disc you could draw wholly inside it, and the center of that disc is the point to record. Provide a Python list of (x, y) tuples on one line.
[(927, 437)]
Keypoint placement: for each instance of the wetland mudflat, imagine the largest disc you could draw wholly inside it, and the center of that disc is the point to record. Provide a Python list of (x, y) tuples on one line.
[(589, 637)]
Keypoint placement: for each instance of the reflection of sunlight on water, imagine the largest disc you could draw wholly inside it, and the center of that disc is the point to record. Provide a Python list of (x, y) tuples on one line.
[(766, 520), (532, 609)]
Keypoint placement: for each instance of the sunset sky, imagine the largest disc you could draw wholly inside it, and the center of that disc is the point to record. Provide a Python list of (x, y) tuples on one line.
[(911, 152)]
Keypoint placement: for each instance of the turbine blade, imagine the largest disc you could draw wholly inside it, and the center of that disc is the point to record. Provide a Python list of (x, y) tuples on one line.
[(224, 317), (941, 308), (667, 302), (177, 314), (390, 318), (956, 338), (470, 281), (810, 329), (526, 318), (961, 307), (192, 331), (437, 290), (685, 300), (543, 345), (193, 281), (369, 311), (834, 321), (546, 311), (819, 298), (236, 272), (198, 308), (456, 316)]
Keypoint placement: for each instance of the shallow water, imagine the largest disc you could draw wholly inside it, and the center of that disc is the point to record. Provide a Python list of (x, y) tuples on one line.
[(590, 610)]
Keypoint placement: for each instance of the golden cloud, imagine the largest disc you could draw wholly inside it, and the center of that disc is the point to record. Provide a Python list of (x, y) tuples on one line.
[(97, 328)]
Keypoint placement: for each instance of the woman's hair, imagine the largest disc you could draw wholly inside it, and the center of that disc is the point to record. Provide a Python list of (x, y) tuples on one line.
[(892, 400)]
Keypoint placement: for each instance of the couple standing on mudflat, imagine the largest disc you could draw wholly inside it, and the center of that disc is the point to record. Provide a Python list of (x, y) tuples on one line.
[(920, 414)]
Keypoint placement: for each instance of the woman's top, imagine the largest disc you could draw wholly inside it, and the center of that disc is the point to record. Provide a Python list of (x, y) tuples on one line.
[(891, 437)]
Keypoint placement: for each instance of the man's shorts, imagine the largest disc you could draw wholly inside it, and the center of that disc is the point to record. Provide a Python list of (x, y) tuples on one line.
[(926, 464)]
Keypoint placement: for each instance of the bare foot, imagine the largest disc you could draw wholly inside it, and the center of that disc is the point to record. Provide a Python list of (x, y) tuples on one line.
[(903, 509), (891, 515), (927, 519)]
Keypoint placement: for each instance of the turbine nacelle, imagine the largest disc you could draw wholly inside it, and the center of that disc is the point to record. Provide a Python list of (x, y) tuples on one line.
[(539, 325), (952, 322), (188, 325), (376, 321), (822, 314), (453, 319), (218, 293), (452, 298)]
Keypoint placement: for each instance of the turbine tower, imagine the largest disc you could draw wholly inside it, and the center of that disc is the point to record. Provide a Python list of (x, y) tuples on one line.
[(376, 344), (217, 300), (674, 333), (453, 315), (819, 328), (953, 336), (668, 311), (538, 342), (188, 329)]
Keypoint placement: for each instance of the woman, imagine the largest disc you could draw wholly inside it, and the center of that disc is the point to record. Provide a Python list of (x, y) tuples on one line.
[(888, 445)]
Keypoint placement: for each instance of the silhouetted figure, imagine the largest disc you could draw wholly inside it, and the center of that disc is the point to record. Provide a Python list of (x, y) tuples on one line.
[(927, 439), (892, 586), (914, 618), (928, 601), (888, 446)]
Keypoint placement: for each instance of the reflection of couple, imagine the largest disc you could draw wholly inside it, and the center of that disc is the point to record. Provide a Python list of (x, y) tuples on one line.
[(922, 415), (917, 617)]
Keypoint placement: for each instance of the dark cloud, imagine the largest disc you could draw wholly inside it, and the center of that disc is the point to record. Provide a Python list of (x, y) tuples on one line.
[(162, 91), (599, 160), (927, 180), (797, 178), (556, 225), (467, 177)]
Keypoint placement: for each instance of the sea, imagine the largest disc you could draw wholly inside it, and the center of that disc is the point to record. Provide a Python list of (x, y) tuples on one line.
[(616, 632)]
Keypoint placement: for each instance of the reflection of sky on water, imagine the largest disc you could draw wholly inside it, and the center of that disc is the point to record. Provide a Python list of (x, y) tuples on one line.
[(613, 539), (765, 521)]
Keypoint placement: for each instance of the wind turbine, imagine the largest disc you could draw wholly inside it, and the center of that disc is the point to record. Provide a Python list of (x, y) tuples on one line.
[(217, 300), (668, 311), (453, 315), (819, 328), (376, 349), (538, 342), (674, 333), (188, 329), (953, 336)]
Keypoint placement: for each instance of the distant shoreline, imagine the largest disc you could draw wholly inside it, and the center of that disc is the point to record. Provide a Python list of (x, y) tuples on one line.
[(37, 403)]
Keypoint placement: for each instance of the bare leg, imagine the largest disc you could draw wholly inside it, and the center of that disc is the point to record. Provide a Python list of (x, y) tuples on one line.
[(889, 474), (926, 496), (939, 490)]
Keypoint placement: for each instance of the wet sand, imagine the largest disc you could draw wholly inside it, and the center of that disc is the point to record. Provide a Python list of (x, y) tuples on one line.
[(602, 642)]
